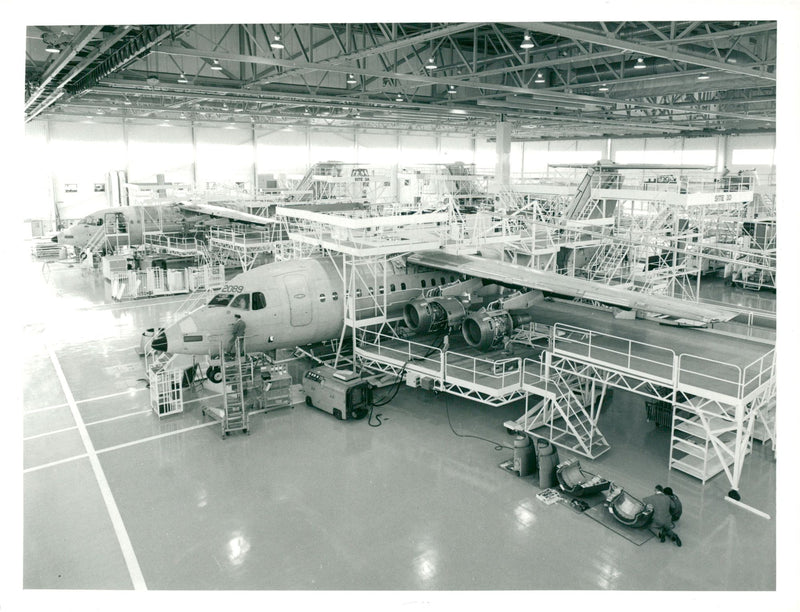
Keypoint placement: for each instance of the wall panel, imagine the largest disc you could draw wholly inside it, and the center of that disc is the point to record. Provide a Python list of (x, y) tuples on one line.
[(81, 154), (160, 149), (224, 156), (332, 146), (282, 152), (377, 149)]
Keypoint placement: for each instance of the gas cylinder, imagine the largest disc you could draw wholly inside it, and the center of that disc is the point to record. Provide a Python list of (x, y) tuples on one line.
[(524, 456), (548, 460)]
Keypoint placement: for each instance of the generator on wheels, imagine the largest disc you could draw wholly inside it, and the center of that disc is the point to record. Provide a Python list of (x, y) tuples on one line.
[(341, 393)]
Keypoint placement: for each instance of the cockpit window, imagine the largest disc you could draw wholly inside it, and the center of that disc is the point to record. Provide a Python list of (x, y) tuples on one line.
[(221, 299), (90, 220), (259, 301), (242, 301)]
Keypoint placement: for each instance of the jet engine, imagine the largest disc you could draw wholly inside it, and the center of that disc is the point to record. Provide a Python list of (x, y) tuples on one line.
[(427, 315), (486, 329)]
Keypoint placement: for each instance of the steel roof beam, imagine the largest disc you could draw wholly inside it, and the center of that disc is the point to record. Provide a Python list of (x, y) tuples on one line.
[(645, 49), (76, 45)]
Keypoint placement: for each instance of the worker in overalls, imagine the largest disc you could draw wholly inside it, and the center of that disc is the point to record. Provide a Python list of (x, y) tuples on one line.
[(239, 328)]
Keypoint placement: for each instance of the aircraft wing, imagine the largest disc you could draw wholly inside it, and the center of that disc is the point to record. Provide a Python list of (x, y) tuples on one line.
[(615, 166), (513, 274), (228, 213)]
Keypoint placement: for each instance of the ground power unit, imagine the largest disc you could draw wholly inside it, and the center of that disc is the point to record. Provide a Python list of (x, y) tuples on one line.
[(341, 393)]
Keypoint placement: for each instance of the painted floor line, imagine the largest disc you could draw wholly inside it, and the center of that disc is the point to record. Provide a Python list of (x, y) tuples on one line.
[(134, 570), (155, 437), (49, 433), (118, 417), (83, 401), (89, 424), (36, 468), (35, 410)]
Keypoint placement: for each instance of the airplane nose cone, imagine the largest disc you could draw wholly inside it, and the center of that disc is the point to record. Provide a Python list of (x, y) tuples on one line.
[(160, 341), (54, 238)]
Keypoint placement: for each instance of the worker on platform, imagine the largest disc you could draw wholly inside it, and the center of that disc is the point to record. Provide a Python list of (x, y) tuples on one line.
[(239, 327), (661, 524), (675, 505)]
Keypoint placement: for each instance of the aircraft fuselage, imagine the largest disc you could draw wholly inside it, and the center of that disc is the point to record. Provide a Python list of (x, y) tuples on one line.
[(290, 303)]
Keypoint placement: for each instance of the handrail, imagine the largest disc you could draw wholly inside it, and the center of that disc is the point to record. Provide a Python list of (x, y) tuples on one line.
[(736, 381), (627, 355), (509, 374)]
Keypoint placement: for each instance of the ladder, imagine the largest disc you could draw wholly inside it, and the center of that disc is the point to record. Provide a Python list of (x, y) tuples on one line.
[(563, 411), (581, 196), (606, 263), (234, 415), (96, 240)]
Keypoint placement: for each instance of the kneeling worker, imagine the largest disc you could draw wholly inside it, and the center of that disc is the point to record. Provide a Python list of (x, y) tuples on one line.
[(662, 521)]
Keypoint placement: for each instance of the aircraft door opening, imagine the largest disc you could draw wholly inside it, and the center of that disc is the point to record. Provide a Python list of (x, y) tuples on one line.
[(299, 299)]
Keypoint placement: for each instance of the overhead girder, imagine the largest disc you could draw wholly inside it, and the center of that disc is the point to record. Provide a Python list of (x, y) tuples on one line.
[(645, 49), (75, 46), (483, 62)]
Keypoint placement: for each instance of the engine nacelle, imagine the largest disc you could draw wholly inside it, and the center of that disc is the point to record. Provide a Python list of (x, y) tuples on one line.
[(427, 315), (485, 330)]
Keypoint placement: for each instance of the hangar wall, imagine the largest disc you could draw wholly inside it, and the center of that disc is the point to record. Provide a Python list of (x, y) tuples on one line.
[(69, 160)]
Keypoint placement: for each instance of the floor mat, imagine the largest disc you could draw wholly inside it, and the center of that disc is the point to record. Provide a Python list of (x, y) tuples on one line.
[(591, 500), (601, 514)]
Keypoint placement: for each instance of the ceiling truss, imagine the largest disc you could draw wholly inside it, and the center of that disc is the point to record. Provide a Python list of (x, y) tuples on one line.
[(592, 79)]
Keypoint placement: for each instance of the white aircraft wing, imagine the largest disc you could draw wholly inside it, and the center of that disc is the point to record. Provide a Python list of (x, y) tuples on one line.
[(513, 274), (228, 213)]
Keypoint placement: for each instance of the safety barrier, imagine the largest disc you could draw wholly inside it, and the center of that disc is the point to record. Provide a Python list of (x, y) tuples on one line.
[(132, 284), (171, 242), (647, 360)]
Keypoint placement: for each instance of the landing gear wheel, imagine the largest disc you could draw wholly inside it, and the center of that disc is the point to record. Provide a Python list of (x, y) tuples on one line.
[(214, 374), (308, 402), (734, 494)]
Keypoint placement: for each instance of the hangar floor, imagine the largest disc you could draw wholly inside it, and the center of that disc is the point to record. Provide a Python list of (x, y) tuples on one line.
[(115, 498)]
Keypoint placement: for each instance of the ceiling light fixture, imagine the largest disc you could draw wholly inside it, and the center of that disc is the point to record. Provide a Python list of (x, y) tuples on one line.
[(399, 98), (431, 65), (703, 77), (276, 42), (182, 78), (603, 87), (52, 49), (351, 79), (452, 90), (527, 43), (216, 66), (539, 78), (639, 64), (458, 111)]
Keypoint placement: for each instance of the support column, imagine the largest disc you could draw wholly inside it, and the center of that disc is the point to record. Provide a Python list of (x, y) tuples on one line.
[(502, 168)]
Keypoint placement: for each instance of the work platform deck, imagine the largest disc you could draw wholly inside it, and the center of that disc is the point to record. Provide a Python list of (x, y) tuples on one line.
[(693, 361)]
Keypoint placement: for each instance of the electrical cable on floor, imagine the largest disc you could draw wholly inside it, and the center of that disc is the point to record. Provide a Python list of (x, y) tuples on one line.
[(377, 417), (497, 445), (399, 377), (396, 385)]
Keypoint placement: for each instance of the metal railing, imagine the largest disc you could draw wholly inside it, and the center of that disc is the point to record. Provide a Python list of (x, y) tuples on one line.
[(171, 242), (615, 350)]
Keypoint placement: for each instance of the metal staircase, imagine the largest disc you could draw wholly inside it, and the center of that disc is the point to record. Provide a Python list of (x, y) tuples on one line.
[(581, 198), (563, 411), (96, 240), (233, 416), (607, 262)]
